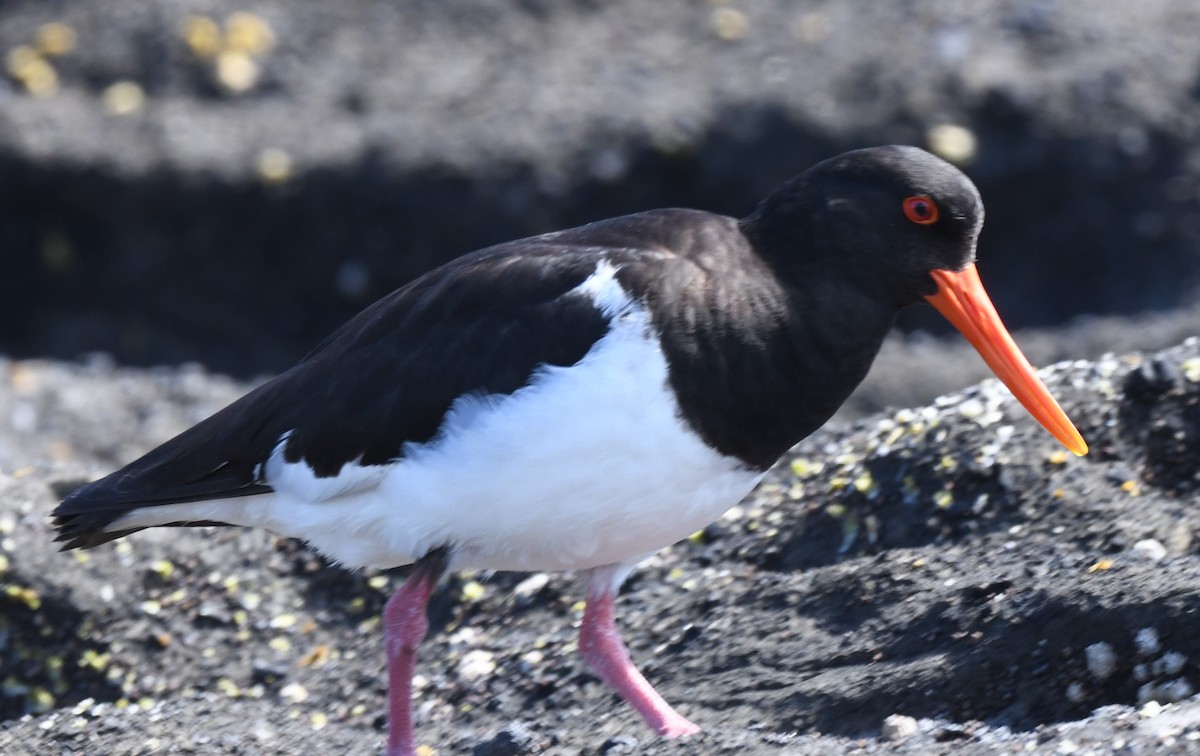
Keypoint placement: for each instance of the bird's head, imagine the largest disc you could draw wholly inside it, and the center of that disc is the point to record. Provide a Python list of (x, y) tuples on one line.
[(903, 223)]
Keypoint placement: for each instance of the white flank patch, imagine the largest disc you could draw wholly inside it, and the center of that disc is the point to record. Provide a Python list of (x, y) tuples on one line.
[(588, 465)]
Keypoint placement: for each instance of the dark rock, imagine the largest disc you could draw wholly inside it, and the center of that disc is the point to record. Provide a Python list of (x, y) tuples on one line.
[(514, 740)]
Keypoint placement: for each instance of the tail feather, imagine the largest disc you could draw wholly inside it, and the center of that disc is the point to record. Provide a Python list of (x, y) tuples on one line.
[(219, 458), (78, 536), (86, 517)]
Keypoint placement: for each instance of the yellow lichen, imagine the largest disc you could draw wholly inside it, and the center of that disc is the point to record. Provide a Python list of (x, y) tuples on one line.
[(802, 468), (202, 35), (248, 33), (32, 71), (1191, 369), (473, 590), (55, 39)]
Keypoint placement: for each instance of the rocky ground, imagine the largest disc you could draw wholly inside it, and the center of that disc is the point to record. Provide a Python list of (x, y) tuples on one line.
[(179, 183), (932, 580)]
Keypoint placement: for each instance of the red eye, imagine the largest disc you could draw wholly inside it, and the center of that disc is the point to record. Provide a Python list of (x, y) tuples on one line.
[(921, 209)]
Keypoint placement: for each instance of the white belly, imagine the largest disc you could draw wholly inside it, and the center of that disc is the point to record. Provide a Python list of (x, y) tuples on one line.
[(586, 466)]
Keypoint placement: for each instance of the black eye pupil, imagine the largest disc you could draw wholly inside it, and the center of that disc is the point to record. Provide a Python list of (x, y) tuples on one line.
[(921, 209)]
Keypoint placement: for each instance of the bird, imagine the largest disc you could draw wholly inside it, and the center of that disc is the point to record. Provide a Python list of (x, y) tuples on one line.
[(681, 353)]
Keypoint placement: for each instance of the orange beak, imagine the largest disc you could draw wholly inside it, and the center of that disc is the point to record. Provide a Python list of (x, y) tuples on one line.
[(961, 299)]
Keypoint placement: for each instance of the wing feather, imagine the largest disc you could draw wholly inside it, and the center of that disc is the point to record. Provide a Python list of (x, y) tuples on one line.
[(479, 325)]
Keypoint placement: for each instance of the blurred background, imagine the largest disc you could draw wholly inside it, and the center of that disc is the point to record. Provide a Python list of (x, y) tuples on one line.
[(225, 182)]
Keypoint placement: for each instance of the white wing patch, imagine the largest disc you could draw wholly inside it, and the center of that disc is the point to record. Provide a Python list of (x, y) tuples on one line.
[(605, 291)]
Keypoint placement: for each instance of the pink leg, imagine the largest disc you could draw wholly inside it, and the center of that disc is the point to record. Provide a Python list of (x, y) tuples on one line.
[(602, 648), (404, 627)]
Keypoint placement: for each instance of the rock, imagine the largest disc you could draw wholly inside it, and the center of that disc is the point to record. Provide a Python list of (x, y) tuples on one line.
[(1150, 550), (898, 727), (517, 739), (1101, 660)]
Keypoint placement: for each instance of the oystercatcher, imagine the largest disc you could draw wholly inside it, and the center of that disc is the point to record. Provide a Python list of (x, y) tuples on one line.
[(680, 353)]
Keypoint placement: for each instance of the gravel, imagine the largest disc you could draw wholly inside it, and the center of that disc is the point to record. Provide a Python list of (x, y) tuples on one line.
[(946, 564)]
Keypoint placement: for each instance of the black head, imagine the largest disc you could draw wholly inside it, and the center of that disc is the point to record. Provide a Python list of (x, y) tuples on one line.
[(886, 216)]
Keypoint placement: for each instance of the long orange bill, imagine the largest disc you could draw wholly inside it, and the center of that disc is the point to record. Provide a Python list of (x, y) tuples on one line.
[(962, 300)]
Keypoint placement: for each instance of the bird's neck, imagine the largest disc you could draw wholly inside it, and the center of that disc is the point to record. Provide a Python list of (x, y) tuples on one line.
[(767, 362)]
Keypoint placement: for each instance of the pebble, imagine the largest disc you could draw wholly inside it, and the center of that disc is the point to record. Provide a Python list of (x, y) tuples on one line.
[(294, 692), (1076, 692), (899, 727), (530, 587), (1101, 660), (516, 739), (123, 98), (1150, 550), (1172, 663), (1147, 641), (1166, 692), (476, 664)]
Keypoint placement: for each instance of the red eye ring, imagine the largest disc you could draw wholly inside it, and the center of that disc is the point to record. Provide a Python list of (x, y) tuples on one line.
[(921, 209)]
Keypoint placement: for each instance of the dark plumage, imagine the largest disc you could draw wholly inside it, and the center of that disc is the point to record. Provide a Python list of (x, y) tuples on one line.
[(680, 352)]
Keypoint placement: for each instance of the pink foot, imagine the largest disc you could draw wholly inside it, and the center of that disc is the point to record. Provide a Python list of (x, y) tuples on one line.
[(602, 648), (404, 627)]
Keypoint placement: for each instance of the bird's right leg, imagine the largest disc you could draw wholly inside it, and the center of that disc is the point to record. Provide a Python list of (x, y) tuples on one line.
[(601, 646)]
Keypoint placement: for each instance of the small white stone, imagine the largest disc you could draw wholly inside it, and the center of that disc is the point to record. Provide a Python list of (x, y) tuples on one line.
[(1101, 660), (476, 664), (294, 692), (531, 661), (971, 408), (899, 727), (1147, 641), (1150, 550), (530, 587), (262, 732)]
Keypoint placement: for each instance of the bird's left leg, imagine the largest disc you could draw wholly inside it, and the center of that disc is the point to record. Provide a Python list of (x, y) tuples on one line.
[(601, 646), (404, 626)]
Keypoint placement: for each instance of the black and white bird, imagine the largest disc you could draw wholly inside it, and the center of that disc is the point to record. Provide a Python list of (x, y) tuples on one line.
[(681, 353)]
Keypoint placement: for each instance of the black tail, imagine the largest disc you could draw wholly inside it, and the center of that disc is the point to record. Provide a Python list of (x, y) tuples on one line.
[(219, 458), (84, 517)]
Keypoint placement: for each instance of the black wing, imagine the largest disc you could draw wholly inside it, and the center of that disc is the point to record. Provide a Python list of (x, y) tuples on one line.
[(481, 324)]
